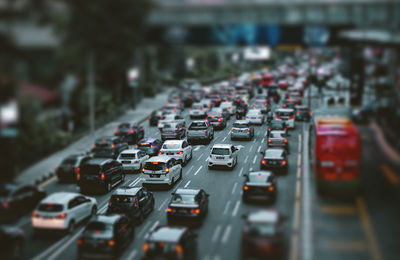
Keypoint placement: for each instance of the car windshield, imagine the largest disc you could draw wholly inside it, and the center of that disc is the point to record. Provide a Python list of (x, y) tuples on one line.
[(69, 161), (197, 106), (128, 155), (50, 207), (262, 229), (154, 166), (98, 226), (220, 151), (183, 198), (198, 125), (171, 146), (121, 199), (240, 125)]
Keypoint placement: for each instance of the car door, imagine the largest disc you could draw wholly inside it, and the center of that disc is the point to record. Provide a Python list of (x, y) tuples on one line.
[(74, 211), (116, 170), (83, 207), (173, 167), (143, 201)]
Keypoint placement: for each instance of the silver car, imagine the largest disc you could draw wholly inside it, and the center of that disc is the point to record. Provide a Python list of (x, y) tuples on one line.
[(255, 117), (242, 129)]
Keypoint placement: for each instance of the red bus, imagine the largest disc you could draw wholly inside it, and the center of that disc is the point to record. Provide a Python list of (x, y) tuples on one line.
[(337, 154)]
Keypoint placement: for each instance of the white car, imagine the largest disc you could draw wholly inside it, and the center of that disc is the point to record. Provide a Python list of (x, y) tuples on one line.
[(63, 211), (197, 111), (228, 105), (169, 118), (286, 115), (223, 155), (161, 170), (132, 159), (255, 116), (180, 150)]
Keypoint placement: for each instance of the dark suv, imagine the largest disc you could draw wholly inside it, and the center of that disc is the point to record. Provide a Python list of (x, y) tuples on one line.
[(169, 242), (69, 168), (100, 174), (105, 236), (109, 147), (134, 202), (130, 133)]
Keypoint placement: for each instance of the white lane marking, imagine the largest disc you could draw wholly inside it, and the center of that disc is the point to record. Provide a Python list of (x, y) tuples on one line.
[(64, 246), (132, 255), (206, 257), (196, 148), (226, 234), (145, 227), (208, 158), (259, 149), (254, 140), (245, 160), (223, 140), (254, 160), (136, 181), (226, 207), (217, 257), (234, 187), (187, 184), (216, 233), (190, 169), (241, 171), (151, 229), (50, 249), (236, 208), (263, 140), (201, 155), (103, 208), (251, 147), (198, 170), (251, 169), (162, 204)]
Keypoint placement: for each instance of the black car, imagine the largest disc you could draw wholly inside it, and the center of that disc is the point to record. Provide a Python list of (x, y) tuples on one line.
[(15, 199), (263, 236), (105, 236), (275, 160), (188, 204), (170, 242), (134, 202), (259, 185), (302, 113), (276, 125), (109, 147), (155, 116), (11, 242), (130, 133), (69, 168), (99, 174)]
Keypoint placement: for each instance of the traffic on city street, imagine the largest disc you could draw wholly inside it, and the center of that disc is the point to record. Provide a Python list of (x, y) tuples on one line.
[(215, 130)]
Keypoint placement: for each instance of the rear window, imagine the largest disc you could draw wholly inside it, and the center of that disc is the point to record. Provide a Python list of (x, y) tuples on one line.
[(170, 126), (69, 161), (97, 225), (103, 142), (122, 199), (198, 125), (284, 113), (240, 125), (275, 135), (50, 207), (90, 169), (160, 248), (258, 178), (220, 151), (172, 146), (154, 166), (183, 198), (273, 154), (128, 155), (197, 106)]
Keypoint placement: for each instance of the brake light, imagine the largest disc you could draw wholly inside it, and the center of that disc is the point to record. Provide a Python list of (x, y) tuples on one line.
[(195, 211), (232, 129), (62, 216), (102, 176), (230, 107), (142, 169), (57, 169), (245, 187), (150, 117), (298, 112), (179, 249), (116, 131), (248, 129), (110, 202), (134, 202), (112, 146), (309, 112), (159, 152), (285, 140), (111, 243), (167, 170), (131, 131), (269, 140), (271, 188), (263, 161), (94, 146), (145, 247), (34, 213), (151, 146), (79, 242), (284, 105), (283, 163), (180, 152), (291, 117), (170, 210), (259, 117), (277, 116), (269, 128)]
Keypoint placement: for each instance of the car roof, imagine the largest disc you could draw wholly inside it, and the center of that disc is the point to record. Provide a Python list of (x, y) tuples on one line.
[(126, 190), (263, 216), (167, 234), (273, 153), (159, 158), (174, 141), (284, 110), (97, 161), (188, 191), (60, 197), (241, 122), (109, 219), (130, 151), (147, 140), (222, 146)]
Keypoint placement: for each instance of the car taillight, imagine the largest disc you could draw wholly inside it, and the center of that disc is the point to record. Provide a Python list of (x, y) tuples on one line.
[(102, 176), (62, 216), (278, 117), (232, 129), (284, 105), (269, 140), (283, 162), (142, 169), (151, 146), (309, 112), (134, 201), (248, 129), (245, 187), (159, 152), (116, 131), (178, 249), (145, 247), (206, 132), (271, 188), (79, 242), (167, 170), (230, 107), (131, 131), (110, 202), (170, 210), (180, 152), (219, 120), (291, 117), (259, 117), (57, 169), (94, 146), (285, 140), (195, 211), (150, 117), (113, 146), (263, 161), (111, 243), (298, 112), (269, 128)]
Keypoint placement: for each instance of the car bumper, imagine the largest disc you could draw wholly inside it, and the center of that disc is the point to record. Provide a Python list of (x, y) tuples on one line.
[(197, 115), (41, 223), (178, 157), (157, 181), (255, 121), (213, 162)]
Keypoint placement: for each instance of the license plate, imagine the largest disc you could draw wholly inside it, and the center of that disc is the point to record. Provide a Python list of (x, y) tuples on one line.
[(125, 162), (170, 153), (220, 157), (154, 176), (254, 118)]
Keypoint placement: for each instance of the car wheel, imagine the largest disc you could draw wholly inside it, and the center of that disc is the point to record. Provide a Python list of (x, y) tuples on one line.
[(93, 211), (71, 227)]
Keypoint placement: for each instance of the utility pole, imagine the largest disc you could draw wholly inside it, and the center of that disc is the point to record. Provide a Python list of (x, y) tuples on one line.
[(90, 79)]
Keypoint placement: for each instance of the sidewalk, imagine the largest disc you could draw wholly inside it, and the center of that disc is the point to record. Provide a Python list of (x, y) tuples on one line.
[(44, 169)]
